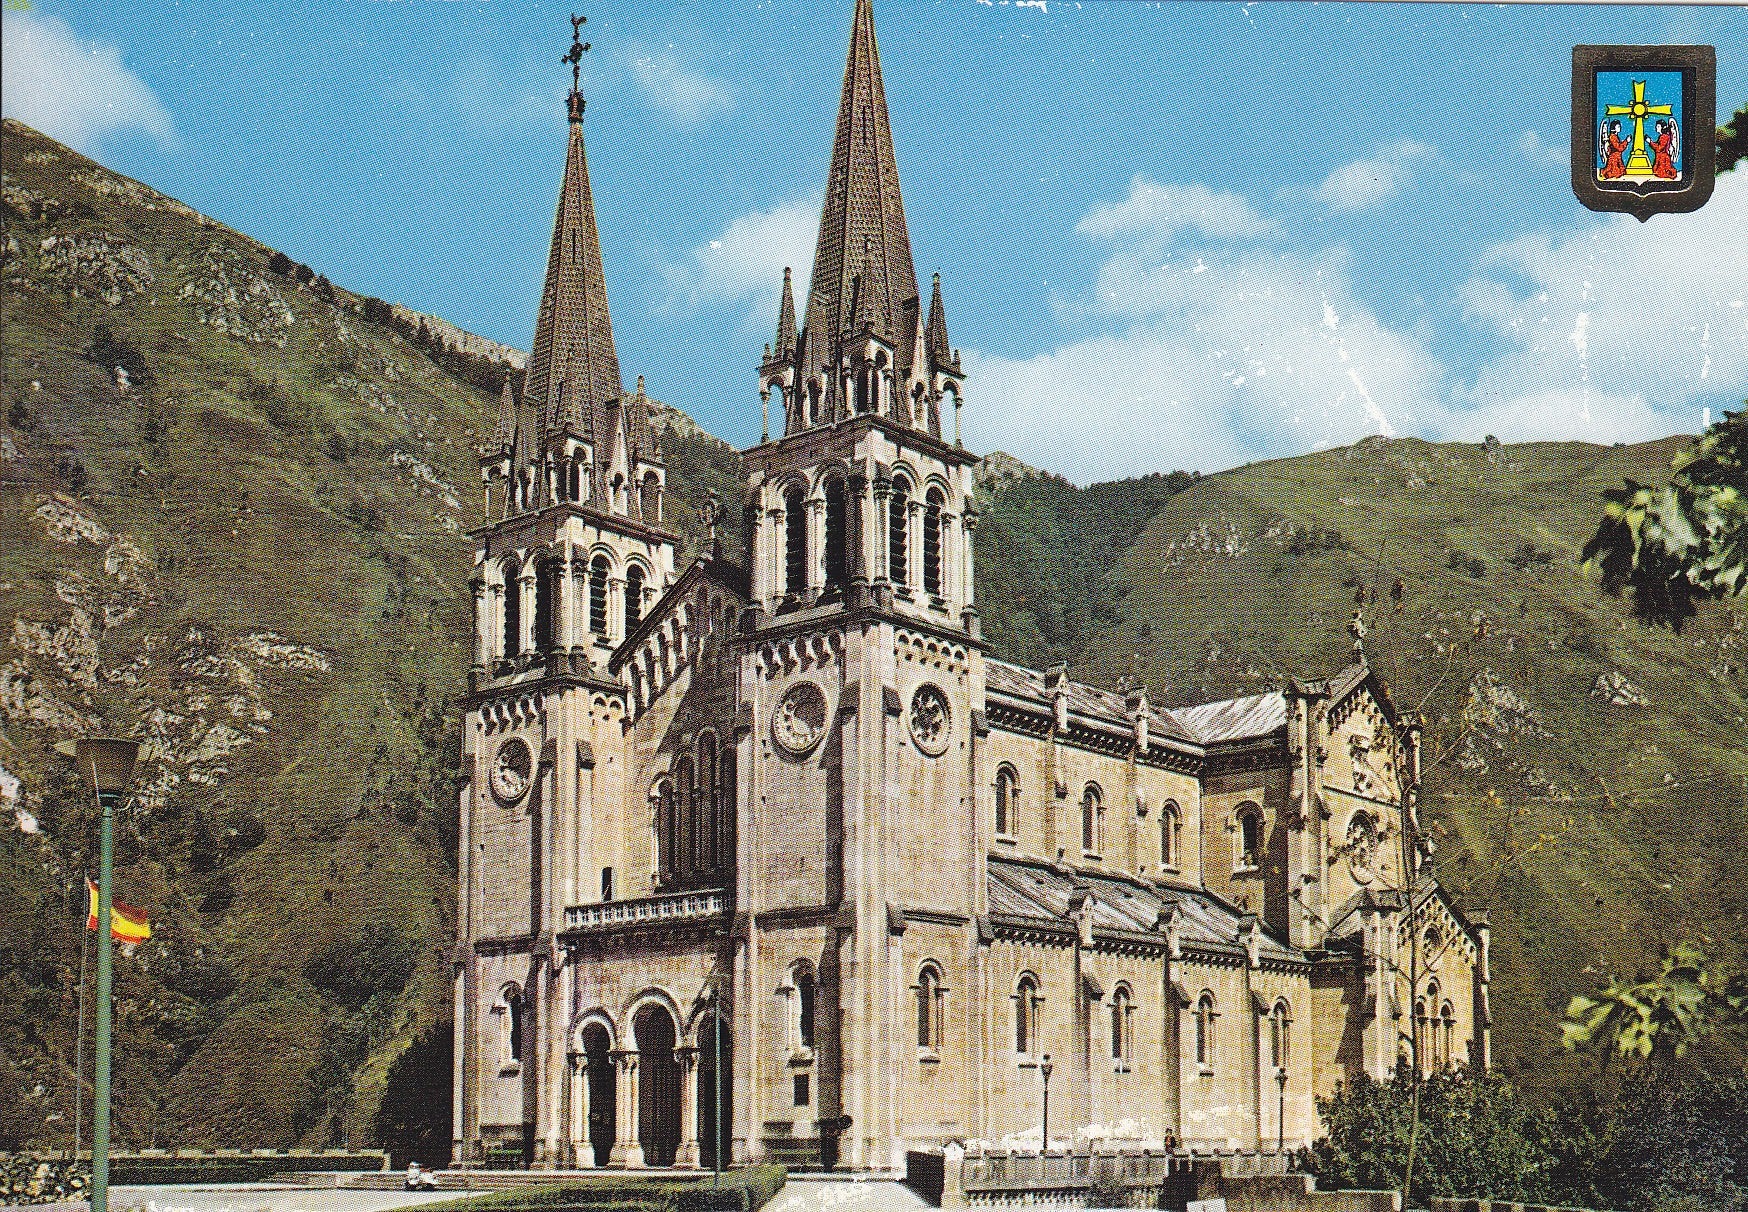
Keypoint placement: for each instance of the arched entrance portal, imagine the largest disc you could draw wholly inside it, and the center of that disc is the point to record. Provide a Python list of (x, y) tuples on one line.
[(658, 1089), (714, 1041), (603, 1126)]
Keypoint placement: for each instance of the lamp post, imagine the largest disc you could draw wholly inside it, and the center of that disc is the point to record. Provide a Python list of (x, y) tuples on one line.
[(1044, 1069), (1281, 1110), (109, 763)]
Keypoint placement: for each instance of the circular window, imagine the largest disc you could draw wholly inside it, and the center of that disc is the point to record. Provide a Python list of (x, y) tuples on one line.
[(510, 770), (799, 720), (931, 719)]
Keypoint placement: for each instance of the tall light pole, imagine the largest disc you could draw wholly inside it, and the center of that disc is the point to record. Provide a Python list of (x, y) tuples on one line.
[(108, 762), (1044, 1069)]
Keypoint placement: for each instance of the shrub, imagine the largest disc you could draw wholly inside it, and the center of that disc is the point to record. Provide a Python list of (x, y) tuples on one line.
[(280, 264), (379, 962), (109, 351)]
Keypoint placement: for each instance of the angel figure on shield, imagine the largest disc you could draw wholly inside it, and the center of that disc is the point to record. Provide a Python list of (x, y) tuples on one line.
[(1664, 149), (1612, 148)]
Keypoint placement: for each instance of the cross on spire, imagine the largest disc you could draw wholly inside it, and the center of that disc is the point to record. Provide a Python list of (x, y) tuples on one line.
[(574, 57)]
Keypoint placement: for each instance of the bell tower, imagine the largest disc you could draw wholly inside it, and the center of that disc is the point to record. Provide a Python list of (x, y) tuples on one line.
[(862, 669)]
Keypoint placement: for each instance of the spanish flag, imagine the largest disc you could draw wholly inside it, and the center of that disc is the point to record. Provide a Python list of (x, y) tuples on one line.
[(126, 924)]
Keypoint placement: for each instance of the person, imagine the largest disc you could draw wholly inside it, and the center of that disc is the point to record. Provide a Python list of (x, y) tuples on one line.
[(419, 1178), (1610, 147), (1664, 149)]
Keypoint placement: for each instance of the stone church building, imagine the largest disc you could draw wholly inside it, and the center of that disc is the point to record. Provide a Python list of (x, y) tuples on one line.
[(777, 860)]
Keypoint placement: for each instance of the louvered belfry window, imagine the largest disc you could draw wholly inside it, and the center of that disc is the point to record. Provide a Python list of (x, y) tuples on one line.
[(795, 543)]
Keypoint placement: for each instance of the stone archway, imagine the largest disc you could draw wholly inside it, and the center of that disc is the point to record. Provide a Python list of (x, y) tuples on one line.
[(658, 1089), (599, 1072), (711, 1138)]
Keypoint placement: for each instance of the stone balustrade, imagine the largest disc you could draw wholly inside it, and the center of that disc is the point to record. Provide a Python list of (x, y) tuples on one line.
[(649, 910)]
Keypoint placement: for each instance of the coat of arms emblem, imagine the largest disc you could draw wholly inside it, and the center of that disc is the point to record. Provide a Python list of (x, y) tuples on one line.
[(1642, 121)]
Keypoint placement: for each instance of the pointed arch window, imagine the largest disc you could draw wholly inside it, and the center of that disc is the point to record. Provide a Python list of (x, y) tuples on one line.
[(512, 1027), (578, 470), (1205, 1016), (1280, 1034), (1249, 837), (804, 998), (709, 803), (931, 1002), (1170, 835), (1122, 1029), (794, 542), (1007, 792), (1027, 1005), (898, 535), (725, 791), (664, 797), (545, 573), (1422, 1050), (633, 596), (1447, 1019), (932, 542), (650, 499), (512, 611), (683, 809), (1092, 820), (598, 596), (836, 547)]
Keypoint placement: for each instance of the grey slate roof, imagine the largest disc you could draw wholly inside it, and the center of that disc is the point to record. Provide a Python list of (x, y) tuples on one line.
[(1027, 889), (1256, 715)]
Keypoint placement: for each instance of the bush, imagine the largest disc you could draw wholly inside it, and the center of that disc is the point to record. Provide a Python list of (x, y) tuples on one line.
[(744, 1190), (280, 264), (25, 1179), (379, 961), (109, 351)]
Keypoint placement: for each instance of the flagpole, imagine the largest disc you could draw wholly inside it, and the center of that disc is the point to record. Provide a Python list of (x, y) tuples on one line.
[(79, 1048)]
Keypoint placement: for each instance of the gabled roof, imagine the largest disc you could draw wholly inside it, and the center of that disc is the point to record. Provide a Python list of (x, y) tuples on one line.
[(1024, 889), (1091, 703), (1254, 715)]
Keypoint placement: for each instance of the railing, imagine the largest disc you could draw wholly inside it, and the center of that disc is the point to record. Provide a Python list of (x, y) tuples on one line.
[(672, 907)]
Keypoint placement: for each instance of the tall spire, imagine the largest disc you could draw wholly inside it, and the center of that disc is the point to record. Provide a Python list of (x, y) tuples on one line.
[(786, 318), (863, 257), (573, 370), (935, 335)]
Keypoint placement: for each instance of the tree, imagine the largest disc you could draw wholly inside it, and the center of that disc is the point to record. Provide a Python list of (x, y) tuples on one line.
[(280, 264), (1686, 541), (1733, 141), (1659, 1018)]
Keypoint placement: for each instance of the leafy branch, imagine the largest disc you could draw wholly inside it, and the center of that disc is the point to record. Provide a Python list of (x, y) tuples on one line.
[(1660, 1017)]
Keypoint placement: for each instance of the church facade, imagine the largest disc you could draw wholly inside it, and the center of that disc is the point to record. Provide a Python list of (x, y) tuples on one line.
[(777, 860)]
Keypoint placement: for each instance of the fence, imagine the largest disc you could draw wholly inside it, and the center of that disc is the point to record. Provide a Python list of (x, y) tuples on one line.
[(1447, 1203)]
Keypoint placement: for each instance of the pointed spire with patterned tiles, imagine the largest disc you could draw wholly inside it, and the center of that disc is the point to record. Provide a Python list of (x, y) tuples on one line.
[(935, 334), (786, 318), (573, 370), (862, 269), (505, 438)]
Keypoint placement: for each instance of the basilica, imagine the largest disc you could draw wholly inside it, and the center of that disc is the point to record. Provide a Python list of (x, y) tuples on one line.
[(778, 860)]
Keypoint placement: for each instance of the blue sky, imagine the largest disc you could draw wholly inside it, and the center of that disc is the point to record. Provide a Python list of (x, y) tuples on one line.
[(1181, 235)]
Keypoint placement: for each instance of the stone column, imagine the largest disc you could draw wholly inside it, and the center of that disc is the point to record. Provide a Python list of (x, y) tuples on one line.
[(566, 601), (913, 540), (687, 1156), (579, 1153), (880, 523), (815, 546), (494, 624), (950, 578), (526, 588), (482, 624), (627, 1149), (616, 609), (774, 554)]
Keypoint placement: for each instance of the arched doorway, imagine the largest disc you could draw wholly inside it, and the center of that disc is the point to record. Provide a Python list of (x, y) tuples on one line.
[(715, 1040), (603, 1126), (658, 1089)]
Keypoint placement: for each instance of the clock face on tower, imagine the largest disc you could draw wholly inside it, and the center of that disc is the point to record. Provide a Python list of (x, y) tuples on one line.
[(510, 770), (799, 720), (931, 719)]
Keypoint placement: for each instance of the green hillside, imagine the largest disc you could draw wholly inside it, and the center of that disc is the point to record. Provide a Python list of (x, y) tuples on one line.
[(1593, 787), (252, 554)]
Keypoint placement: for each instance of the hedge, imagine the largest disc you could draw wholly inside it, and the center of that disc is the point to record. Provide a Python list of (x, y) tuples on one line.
[(744, 1190)]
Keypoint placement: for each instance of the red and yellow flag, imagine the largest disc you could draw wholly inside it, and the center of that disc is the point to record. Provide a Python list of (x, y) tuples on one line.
[(126, 924)]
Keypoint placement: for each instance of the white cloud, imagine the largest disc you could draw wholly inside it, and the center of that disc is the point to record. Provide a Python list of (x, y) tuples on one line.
[(1538, 151), (1366, 183), (743, 264), (1225, 357), (76, 91), (484, 95), (686, 96), (1160, 211), (1218, 354), (1618, 323)]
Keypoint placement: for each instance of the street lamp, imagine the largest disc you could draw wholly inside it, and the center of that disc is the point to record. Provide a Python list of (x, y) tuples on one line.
[(109, 763), (1281, 1111), (1044, 1068)]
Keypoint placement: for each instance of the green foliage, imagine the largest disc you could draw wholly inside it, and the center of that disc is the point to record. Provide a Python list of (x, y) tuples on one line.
[(109, 351), (413, 1122), (1685, 541), (378, 962), (1477, 1138), (1733, 141), (746, 1189), (1661, 1016)]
